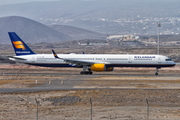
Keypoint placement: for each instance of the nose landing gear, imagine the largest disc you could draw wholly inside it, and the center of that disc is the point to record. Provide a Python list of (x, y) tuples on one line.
[(157, 70)]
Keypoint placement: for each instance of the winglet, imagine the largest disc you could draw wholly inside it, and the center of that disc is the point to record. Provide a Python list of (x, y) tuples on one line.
[(54, 53)]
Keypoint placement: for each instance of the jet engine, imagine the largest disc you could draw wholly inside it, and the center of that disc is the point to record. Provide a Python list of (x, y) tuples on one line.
[(101, 67)]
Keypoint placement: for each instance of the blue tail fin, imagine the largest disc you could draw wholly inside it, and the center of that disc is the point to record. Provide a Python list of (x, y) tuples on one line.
[(20, 47)]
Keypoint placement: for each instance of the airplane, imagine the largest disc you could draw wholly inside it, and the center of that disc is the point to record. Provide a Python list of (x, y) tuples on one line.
[(89, 62)]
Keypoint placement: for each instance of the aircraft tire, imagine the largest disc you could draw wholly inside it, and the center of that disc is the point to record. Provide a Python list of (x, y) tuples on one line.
[(156, 73), (82, 72), (86, 72)]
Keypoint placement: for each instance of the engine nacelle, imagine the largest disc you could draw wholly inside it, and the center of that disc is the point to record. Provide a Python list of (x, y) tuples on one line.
[(101, 67)]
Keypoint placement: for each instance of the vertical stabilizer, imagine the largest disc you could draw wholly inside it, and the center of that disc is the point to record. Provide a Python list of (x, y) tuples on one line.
[(20, 48)]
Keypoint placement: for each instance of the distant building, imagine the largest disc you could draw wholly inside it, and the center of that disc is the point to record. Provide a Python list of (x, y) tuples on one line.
[(93, 44), (171, 43), (122, 37)]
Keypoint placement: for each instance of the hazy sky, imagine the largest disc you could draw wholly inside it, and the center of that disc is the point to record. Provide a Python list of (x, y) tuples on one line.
[(3, 2)]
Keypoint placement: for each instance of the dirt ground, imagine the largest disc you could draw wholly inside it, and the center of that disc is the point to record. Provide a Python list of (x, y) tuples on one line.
[(124, 94)]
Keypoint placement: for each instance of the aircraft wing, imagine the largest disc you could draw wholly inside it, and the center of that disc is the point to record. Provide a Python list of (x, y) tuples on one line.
[(77, 62)]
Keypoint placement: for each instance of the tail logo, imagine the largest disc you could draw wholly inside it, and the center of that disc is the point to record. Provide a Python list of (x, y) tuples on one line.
[(55, 55), (19, 45)]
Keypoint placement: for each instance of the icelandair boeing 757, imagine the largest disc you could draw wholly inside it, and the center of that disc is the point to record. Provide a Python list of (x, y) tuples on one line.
[(89, 62)]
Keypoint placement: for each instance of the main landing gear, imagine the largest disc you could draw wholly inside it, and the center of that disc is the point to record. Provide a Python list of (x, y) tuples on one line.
[(157, 70), (84, 72)]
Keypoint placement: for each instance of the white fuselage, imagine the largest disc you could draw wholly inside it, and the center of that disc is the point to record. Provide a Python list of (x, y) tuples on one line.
[(111, 60)]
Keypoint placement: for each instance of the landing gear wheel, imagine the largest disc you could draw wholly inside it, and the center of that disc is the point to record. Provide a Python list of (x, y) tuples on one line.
[(90, 73), (85, 72), (157, 70)]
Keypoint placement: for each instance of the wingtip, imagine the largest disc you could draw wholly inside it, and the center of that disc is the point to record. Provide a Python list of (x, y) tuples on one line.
[(53, 51)]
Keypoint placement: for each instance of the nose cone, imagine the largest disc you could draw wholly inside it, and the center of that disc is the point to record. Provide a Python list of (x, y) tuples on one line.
[(173, 63)]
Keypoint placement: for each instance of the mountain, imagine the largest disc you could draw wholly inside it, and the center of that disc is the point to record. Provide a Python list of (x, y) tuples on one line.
[(108, 9), (104, 16), (29, 30), (35, 32), (78, 33)]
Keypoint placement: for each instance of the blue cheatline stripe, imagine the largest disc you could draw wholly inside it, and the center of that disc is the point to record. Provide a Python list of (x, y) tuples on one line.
[(140, 65), (50, 65), (111, 65)]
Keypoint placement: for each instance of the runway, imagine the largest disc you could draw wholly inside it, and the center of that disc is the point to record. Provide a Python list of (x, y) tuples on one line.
[(50, 79)]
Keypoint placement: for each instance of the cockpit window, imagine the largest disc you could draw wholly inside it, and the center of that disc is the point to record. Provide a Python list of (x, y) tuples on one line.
[(168, 60)]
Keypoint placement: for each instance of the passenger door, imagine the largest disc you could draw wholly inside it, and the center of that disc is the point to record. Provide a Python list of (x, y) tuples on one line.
[(130, 60), (159, 60)]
